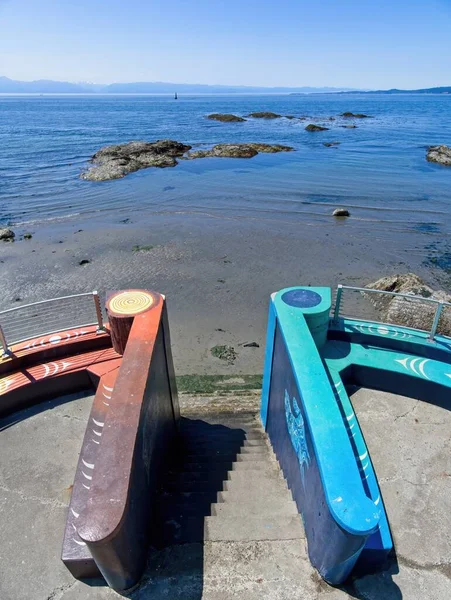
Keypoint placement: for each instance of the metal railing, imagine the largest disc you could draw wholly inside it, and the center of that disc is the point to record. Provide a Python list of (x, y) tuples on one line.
[(49, 317), (392, 308)]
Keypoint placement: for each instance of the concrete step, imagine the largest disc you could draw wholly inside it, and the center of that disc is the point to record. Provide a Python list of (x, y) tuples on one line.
[(246, 528), (214, 485), (208, 466), (223, 443), (210, 457), (261, 456), (256, 488), (273, 496), (206, 476), (255, 465), (253, 479), (262, 509), (231, 434), (225, 450), (191, 529)]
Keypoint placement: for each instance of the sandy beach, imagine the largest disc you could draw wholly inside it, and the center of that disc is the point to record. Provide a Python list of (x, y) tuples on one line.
[(216, 272)]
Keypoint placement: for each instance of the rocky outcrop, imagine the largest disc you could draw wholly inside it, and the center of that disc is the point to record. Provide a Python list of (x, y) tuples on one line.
[(114, 162), (264, 115), (238, 150), (341, 212), (312, 127), (331, 144), (348, 115), (409, 312), (7, 235), (440, 155), (225, 118)]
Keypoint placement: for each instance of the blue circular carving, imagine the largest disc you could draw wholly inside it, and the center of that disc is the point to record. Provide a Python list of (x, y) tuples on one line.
[(302, 298)]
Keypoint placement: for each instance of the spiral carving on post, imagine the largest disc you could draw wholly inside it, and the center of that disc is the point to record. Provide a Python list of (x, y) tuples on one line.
[(130, 302)]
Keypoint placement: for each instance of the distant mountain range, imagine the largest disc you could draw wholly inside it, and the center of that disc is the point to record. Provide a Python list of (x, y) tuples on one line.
[(45, 86), (434, 90)]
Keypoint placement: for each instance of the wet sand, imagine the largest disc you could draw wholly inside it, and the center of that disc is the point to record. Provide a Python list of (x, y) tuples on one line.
[(216, 272)]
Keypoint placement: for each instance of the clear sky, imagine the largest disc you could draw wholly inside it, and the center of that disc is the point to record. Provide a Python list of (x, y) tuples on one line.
[(353, 43)]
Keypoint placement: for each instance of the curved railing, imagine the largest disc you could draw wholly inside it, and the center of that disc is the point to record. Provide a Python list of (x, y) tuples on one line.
[(47, 317), (406, 310)]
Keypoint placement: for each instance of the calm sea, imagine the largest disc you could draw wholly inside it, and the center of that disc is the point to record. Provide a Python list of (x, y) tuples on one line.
[(379, 171)]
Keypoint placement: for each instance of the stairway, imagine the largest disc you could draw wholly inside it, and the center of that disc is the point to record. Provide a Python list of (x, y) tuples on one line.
[(225, 485)]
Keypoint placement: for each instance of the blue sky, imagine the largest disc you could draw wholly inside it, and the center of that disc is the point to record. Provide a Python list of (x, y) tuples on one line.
[(354, 43)]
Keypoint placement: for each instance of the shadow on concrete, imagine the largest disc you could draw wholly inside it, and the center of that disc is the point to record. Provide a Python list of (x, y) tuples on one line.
[(377, 585), (196, 473), (36, 409)]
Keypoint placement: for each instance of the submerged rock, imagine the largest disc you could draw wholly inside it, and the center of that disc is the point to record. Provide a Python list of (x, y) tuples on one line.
[(7, 235), (331, 144), (341, 212), (238, 150), (349, 126), (114, 162), (265, 115), (225, 118), (312, 127), (440, 155), (355, 116), (409, 312)]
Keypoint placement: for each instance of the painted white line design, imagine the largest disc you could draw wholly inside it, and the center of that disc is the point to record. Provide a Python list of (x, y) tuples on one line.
[(79, 543), (106, 403), (95, 441), (349, 417), (86, 486), (363, 456), (76, 515), (89, 465), (98, 423), (99, 433), (108, 389), (416, 365), (378, 499), (87, 476)]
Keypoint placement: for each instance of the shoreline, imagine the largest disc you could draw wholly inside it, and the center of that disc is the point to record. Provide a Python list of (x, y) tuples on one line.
[(202, 264)]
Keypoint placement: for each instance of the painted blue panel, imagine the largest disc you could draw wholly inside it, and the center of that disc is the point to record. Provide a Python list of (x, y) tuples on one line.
[(332, 550)]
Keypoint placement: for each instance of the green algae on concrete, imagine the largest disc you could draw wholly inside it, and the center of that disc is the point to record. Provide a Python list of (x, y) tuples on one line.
[(211, 384)]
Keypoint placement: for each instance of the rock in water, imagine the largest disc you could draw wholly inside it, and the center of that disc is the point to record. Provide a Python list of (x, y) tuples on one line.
[(341, 212), (114, 162), (7, 235), (440, 155), (264, 115), (409, 312), (225, 118), (312, 127), (355, 116), (238, 150), (331, 144)]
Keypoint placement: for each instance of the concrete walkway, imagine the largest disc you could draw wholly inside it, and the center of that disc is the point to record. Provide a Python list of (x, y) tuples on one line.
[(410, 446)]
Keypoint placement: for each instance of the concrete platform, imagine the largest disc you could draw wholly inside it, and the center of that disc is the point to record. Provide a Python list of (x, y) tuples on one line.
[(410, 444)]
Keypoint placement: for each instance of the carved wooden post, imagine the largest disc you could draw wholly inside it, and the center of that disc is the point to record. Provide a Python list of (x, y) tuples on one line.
[(122, 307)]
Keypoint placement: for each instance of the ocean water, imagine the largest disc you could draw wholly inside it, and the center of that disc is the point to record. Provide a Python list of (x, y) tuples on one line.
[(379, 171)]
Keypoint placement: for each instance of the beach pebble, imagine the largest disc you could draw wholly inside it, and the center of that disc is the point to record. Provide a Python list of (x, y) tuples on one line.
[(27, 236), (85, 261), (341, 212), (7, 235)]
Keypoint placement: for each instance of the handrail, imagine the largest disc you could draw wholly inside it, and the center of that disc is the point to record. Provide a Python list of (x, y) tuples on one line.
[(439, 304), (97, 319), (9, 310)]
